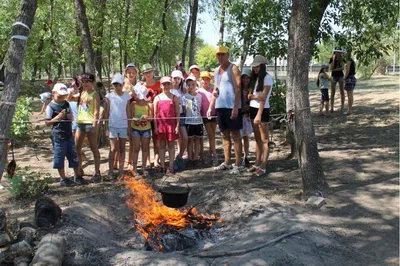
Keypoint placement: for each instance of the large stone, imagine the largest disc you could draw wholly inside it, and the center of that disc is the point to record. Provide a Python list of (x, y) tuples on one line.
[(315, 202)]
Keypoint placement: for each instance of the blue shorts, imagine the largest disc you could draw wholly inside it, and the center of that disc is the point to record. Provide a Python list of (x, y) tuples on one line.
[(182, 120), (338, 79), (141, 133), (84, 127), (351, 82), (62, 149), (115, 132), (324, 95), (225, 121)]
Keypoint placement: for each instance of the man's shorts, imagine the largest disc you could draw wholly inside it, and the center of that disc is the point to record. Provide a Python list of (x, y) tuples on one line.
[(351, 82), (337, 79), (85, 127), (206, 120), (194, 130), (324, 95), (225, 121), (141, 133), (62, 149), (115, 132), (264, 114)]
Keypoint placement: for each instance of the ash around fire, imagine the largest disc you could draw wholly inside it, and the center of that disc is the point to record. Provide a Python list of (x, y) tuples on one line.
[(173, 240)]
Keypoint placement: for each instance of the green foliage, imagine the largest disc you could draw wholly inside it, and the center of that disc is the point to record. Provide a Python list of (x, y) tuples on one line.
[(206, 59), (23, 109), (28, 184), (277, 101)]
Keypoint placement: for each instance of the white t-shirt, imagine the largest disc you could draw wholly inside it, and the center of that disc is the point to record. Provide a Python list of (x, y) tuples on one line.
[(179, 94), (267, 82), (118, 116), (193, 109)]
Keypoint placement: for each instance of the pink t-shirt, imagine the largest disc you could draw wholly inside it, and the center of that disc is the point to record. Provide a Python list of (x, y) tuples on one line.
[(205, 101)]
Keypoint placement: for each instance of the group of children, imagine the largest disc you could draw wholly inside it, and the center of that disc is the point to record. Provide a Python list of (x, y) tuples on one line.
[(172, 111)]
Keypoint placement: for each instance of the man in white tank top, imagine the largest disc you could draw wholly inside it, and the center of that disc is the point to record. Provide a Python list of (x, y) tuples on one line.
[(227, 101)]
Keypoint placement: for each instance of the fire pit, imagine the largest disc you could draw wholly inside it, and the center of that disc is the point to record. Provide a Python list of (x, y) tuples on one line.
[(165, 229)]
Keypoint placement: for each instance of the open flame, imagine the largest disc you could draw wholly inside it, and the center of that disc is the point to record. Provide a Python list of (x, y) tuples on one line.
[(152, 218)]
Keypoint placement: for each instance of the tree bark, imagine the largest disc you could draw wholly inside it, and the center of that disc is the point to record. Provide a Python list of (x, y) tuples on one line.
[(185, 40), (245, 49), (14, 63), (193, 32), (298, 58), (128, 6), (222, 22), (153, 59), (98, 36), (86, 38)]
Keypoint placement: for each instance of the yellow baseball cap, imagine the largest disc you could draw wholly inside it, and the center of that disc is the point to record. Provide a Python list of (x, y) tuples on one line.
[(222, 50), (205, 74)]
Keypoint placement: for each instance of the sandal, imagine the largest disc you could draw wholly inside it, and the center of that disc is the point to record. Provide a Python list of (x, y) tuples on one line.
[(253, 168), (260, 171), (222, 167)]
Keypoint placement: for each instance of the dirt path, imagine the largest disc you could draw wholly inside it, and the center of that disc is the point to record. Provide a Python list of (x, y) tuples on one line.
[(359, 225)]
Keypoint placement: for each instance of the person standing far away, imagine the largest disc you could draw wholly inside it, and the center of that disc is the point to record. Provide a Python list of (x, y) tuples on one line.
[(210, 124), (166, 110), (350, 79), (337, 65), (178, 88), (154, 89), (245, 87), (227, 102), (130, 75), (323, 84), (88, 116), (116, 114), (261, 83), (46, 97), (59, 116), (179, 66)]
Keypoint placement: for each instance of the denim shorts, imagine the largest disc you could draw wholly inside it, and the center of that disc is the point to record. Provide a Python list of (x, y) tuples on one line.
[(62, 149), (337, 79), (141, 133), (324, 95), (115, 132), (85, 127)]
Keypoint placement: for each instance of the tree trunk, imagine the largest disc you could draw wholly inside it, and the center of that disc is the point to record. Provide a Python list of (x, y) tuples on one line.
[(299, 53), (86, 38), (222, 22), (245, 49), (14, 63), (128, 6), (317, 12), (193, 32), (98, 36), (185, 40), (153, 59)]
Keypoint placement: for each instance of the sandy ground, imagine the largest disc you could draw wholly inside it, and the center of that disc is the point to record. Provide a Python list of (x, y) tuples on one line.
[(359, 225)]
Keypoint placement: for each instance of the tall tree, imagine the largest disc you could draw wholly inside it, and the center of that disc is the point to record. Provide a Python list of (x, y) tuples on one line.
[(86, 38), (187, 32), (14, 63), (298, 58), (164, 29), (222, 22), (193, 32)]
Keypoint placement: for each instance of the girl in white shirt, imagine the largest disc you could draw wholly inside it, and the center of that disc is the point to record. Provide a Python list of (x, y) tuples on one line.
[(261, 83)]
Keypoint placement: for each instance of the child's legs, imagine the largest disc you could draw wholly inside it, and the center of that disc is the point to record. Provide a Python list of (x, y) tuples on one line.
[(259, 144), (333, 90), (183, 137), (197, 143), (171, 153), (121, 150), (211, 137), (116, 158), (190, 148), (92, 138), (162, 152), (72, 156), (131, 150), (136, 150), (246, 146), (60, 151), (201, 151), (264, 131), (79, 138), (156, 146), (341, 87), (111, 155), (145, 141)]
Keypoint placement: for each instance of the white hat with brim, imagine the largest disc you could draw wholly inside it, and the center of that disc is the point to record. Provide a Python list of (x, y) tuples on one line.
[(60, 89), (165, 80), (140, 92), (194, 67), (177, 74), (258, 60), (118, 78), (190, 78)]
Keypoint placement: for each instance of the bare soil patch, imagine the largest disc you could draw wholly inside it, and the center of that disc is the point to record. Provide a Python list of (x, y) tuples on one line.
[(359, 225)]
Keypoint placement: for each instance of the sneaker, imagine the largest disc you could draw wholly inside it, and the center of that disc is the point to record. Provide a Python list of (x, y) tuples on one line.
[(145, 173), (96, 178), (66, 182), (180, 162), (79, 180), (222, 167), (236, 170), (260, 171), (253, 168)]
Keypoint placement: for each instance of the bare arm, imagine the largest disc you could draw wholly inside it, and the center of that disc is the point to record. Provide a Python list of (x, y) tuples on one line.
[(96, 109), (348, 63), (155, 114), (72, 97), (214, 95), (55, 119), (236, 85)]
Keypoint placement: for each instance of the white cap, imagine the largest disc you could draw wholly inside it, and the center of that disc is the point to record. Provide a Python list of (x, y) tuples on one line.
[(140, 91), (118, 78), (190, 78), (177, 74), (194, 67), (60, 89)]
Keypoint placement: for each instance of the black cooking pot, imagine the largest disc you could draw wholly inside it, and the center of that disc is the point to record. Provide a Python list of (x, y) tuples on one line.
[(174, 196)]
